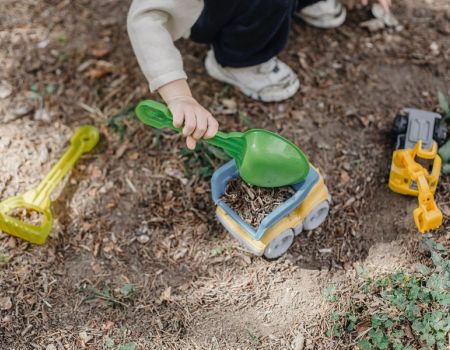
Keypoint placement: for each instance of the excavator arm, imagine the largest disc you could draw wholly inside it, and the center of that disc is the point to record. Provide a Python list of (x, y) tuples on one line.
[(427, 216)]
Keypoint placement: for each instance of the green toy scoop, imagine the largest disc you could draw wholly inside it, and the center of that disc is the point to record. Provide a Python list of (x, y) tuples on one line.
[(263, 158)]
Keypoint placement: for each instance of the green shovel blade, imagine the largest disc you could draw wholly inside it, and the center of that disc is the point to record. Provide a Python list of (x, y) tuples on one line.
[(263, 158)]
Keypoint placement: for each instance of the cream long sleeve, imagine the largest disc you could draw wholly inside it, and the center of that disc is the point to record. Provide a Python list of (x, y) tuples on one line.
[(153, 26)]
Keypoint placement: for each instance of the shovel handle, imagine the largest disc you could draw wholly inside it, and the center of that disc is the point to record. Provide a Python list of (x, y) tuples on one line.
[(156, 115), (159, 116), (83, 140)]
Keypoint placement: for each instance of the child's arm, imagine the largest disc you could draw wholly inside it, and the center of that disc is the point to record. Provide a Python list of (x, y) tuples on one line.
[(153, 26)]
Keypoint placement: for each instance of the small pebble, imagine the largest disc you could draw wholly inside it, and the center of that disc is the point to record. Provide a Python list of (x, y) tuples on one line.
[(434, 47), (22, 110), (42, 115), (298, 343), (143, 239), (5, 90)]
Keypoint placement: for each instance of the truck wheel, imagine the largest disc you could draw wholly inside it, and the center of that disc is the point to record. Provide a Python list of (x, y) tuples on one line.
[(400, 124), (279, 245), (298, 229), (317, 216), (440, 133)]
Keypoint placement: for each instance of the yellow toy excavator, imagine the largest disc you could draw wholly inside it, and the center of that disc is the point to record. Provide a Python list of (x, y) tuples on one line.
[(416, 172), (416, 165)]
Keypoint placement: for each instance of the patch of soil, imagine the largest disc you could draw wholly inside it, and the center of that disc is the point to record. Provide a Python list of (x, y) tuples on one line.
[(253, 203), (198, 288), (27, 216)]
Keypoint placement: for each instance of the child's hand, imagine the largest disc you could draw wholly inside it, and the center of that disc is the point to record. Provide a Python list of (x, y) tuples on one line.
[(198, 122), (386, 4)]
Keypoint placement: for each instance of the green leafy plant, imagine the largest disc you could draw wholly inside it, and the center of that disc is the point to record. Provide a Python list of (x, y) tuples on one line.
[(129, 290), (252, 337), (399, 311), (218, 250), (105, 295), (128, 346), (108, 342), (4, 259), (329, 293), (123, 294), (245, 119), (116, 122), (444, 105), (202, 161)]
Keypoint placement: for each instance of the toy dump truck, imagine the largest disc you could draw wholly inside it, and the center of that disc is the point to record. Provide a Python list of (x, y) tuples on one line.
[(307, 209), (416, 165)]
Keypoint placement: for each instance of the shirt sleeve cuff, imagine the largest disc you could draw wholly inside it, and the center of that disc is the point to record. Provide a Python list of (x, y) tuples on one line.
[(166, 78)]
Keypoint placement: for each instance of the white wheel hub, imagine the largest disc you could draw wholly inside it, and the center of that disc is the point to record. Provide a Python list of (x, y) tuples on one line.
[(317, 216), (279, 245)]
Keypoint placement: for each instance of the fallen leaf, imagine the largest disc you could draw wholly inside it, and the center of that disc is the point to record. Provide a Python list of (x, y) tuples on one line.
[(345, 177), (96, 172), (5, 303), (85, 337), (362, 327), (122, 149), (180, 253), (166, 295), (101, 69), (229, 106), (373, 25), (445, 210), (108, 325), (133, 156), (408, 331), (100, 51)]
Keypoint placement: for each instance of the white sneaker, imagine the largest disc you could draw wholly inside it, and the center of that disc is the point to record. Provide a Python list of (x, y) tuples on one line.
[(324, 14), (271, 81)]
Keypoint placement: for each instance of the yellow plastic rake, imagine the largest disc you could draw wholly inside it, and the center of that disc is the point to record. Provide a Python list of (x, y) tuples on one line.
[(38, 199)]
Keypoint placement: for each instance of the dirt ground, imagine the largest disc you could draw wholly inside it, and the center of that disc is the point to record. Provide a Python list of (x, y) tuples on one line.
[(136, 255)]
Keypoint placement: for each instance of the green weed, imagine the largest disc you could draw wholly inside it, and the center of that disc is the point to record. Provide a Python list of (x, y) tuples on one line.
[(4, 259), (412, 311), (116, 122), (129, 291), (203, 160), (443, 105), (245, 119), (126, 293), (218, 250), (128, 346), (252, 337)]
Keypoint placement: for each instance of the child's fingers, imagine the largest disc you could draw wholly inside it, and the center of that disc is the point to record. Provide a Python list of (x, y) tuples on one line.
[(365, 2), (189, 122), (178, 116), (213, 127), (202, 125), (191, 142)]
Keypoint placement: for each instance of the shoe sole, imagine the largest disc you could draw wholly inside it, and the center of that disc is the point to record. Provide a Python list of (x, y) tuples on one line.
[(215, 73), (337, 21)]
